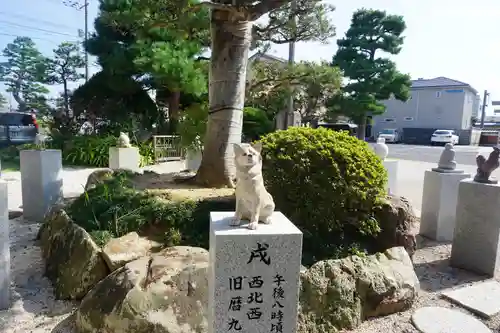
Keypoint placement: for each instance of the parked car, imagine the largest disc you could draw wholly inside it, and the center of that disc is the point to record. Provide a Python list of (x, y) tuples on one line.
[(17, 128), (444, 136), (390, 135), (351, 128)]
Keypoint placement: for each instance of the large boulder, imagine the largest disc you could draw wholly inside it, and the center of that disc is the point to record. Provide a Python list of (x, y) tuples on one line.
[(340, 294), (98, 177), (73, 262), (166, 292), (119, 251), (398, 223)]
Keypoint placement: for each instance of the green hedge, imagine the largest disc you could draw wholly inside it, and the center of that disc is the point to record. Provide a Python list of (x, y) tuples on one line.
[(328, 183)]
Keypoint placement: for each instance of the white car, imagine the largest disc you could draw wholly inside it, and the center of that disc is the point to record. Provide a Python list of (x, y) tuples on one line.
[(444, 136), (390, 135)]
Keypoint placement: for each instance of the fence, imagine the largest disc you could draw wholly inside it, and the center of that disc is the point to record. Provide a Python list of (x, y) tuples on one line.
[(167, 148)]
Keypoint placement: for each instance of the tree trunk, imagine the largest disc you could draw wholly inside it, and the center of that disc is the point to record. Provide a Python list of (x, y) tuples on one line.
[(231, 40), (173, 110), (66, 99), (161, 100), (361, 128)]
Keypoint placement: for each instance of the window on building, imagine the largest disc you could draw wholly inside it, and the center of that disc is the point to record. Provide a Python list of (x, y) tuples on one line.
[(389, 120), (438, 94), (408, 118)]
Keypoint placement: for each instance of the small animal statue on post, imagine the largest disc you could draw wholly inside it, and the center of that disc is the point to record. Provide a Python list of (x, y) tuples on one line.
[(123, 141), (253, 202), (486, 166)]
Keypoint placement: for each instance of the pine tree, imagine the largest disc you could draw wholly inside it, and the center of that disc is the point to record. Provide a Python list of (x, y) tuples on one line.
[(23, 73)]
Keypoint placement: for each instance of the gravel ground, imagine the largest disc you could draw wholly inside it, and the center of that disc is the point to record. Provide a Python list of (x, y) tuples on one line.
[(34, 309), (435, 275)]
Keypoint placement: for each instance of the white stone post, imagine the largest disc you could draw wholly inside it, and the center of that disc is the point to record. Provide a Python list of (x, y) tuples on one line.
[(254, 276), (41, 181), (392, 167), (439, 204), (124, 158), (193, 159), (4, 248), (477, 230)]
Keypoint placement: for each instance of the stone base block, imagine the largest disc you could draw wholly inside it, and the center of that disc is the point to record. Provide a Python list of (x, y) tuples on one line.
[(439, 204), (392, 173), (477, 229), (41, 181), (124, 158), (4, 248), (193, 160), (254, 275)]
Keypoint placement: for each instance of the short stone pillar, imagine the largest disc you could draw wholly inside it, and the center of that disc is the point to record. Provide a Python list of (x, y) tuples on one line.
[(193, 159), (4, 248), (439, 204), (124, 158), (254, 276), (476, 238), (41, 181), (392, 167)]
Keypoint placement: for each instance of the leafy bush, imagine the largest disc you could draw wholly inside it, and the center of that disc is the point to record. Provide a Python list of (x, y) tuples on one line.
[(88, 150), (255, 123), (115, 208), (93, 150), (9, 156), (328, 183)]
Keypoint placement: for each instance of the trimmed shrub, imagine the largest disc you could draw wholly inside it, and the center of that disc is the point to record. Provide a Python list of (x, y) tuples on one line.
[(114, 208), (328, 183)]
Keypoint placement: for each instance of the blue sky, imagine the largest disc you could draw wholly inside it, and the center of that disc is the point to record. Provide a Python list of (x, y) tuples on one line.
[(456, 39)]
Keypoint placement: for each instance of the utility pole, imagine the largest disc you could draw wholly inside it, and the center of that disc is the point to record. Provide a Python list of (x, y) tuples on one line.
[(483, 109), (86, 32), (290, 114), (85, 7)]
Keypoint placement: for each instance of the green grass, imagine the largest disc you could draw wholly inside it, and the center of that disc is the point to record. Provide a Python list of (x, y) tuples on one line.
[(9, 166)]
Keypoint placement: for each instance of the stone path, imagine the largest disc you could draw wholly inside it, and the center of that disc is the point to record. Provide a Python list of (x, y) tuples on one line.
[(435, 319), (482, 299)]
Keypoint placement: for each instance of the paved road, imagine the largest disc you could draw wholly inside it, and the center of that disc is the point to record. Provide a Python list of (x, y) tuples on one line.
[(465, 155)]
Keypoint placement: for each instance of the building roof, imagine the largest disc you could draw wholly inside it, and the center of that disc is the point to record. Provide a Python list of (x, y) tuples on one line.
[(267, 56), (440, 81)]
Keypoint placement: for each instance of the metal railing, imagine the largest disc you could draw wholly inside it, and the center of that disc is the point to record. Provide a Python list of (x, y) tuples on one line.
[(167, 148)]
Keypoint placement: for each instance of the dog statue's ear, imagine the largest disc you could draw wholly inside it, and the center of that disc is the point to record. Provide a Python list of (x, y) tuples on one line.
[(257, 146), (238, 149)]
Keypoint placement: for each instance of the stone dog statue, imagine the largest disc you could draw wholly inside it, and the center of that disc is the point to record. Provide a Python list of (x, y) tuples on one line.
[(253, 202), (486, 166), (123, 141)]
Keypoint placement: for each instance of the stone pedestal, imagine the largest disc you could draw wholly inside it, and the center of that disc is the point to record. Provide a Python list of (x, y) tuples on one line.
[(193, 160), (124, 158), (439, 204), (4, 248), (41, 181), (254, 276), (477, 228), (392, 174)]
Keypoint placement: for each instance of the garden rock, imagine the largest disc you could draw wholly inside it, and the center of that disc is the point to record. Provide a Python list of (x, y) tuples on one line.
[(340, 294), (73, 262), (397, 221), (119, 251), (98, 177), (166, 292)]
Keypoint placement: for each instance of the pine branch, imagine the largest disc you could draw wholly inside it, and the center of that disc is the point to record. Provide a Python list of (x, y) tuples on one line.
[(264, 7)]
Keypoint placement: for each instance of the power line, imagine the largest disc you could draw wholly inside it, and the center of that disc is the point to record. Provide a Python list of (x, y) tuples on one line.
[(38, 38), (32, 19), (36, 29)]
